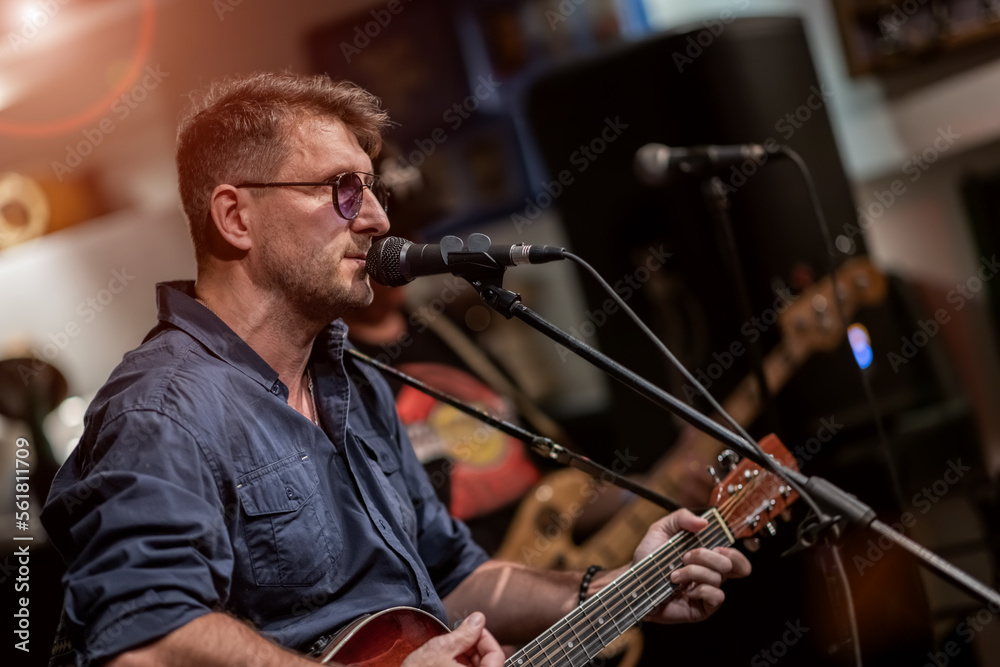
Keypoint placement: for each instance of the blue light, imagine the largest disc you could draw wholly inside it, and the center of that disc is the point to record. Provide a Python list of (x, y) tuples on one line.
[(857, 335)]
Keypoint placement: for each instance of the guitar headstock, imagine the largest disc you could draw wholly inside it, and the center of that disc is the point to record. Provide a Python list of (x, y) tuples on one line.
[(811, 322), (750, 498)]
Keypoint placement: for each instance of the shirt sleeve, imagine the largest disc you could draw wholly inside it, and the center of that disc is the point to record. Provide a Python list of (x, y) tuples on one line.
[(139, 518)]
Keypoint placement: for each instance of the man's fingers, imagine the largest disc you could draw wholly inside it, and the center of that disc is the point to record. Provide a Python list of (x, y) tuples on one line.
[(710, 597), (490, 653), (462, 640), (680, 520), (741, 566), (466, 635), (711, 559), (696, 574), (730, 563)]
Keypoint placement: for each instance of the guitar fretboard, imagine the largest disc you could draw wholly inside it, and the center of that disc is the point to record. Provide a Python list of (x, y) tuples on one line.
[(576, 639)]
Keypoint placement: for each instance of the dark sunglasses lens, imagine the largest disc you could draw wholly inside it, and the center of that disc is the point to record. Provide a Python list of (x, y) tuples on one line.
[(350, 194)]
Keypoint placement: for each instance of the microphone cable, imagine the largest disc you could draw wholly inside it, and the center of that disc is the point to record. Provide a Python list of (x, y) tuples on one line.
[(814, 507), (890, 462)]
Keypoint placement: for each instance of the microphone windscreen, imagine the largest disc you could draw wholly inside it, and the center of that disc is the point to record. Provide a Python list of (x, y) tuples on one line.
[(652, 163), (382, 261)]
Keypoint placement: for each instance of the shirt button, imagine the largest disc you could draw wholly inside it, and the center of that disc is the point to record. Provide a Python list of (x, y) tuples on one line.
[(289, 493), (275, 389)]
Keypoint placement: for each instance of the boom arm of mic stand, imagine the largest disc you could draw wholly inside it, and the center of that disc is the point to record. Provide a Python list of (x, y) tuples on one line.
[(828, 495), (543, 446)]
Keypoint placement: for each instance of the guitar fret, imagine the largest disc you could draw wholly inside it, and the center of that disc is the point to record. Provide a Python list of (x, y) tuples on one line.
[(583, 634), (541, 647), (602, 630), (575, 655), (576, 652), (611, 613), (582, 642), (628, 599)]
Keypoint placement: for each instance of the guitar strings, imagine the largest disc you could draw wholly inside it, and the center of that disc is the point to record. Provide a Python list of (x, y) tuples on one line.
[(666, 559), (663, 561), (589, 634), (591, 640)]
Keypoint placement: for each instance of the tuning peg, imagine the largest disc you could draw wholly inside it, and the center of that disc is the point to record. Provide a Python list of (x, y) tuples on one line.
[(714, 474), (729, 459), (752, 544)]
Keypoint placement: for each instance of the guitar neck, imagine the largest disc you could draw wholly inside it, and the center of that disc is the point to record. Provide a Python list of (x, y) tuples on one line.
[(615, 542), (582, 634)]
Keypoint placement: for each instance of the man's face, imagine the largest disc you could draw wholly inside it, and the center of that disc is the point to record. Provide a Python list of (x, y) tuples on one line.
[(303, 249)]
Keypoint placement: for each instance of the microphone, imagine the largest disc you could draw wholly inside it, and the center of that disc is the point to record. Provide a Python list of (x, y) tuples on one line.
[(393, 261), (656, 163)]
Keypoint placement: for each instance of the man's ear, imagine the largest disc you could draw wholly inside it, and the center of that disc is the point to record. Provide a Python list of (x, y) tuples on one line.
[(227, 207)]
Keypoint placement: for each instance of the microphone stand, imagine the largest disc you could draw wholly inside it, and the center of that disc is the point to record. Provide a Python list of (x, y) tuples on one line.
[(713, 191), (544, 446), (487, 279)]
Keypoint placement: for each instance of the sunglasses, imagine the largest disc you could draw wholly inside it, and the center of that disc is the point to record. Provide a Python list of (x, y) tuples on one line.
[(348, 191)]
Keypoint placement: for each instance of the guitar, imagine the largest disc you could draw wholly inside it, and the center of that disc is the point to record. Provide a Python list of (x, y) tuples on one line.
[(745, 501), (541, 533)]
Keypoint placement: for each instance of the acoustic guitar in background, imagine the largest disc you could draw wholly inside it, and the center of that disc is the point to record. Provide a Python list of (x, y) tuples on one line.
[(542, 531)]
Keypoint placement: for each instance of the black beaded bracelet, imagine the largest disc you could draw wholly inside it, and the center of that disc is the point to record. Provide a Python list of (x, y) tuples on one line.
[(587, 576)]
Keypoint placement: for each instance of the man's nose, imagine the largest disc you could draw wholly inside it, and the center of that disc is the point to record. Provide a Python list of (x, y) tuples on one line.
[(372, 219)]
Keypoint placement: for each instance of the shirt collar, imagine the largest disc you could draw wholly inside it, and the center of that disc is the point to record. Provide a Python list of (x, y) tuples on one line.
[(176, 306)]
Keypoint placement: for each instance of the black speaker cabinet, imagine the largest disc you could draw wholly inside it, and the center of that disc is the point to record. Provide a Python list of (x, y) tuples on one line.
[(749, 80)]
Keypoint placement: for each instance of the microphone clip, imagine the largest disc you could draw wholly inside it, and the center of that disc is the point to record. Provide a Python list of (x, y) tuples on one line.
[(471, 260)]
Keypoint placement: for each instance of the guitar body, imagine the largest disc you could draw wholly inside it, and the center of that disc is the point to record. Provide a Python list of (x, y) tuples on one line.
[(383, 639), (748, 499)]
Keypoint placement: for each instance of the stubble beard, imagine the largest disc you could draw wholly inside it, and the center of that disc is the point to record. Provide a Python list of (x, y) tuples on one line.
[(311, 288)]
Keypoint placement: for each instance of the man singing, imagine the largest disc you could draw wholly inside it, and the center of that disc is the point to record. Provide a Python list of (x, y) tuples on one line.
[(237, 495)]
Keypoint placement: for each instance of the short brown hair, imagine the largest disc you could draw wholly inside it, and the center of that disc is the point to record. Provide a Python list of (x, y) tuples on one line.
[(238, 127)]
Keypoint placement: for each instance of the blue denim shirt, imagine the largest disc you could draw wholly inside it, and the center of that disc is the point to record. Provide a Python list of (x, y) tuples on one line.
[(197, 488)]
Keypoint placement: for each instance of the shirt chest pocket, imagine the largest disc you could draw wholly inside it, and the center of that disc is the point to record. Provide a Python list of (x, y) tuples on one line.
[(392, 481), (290, 537)]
